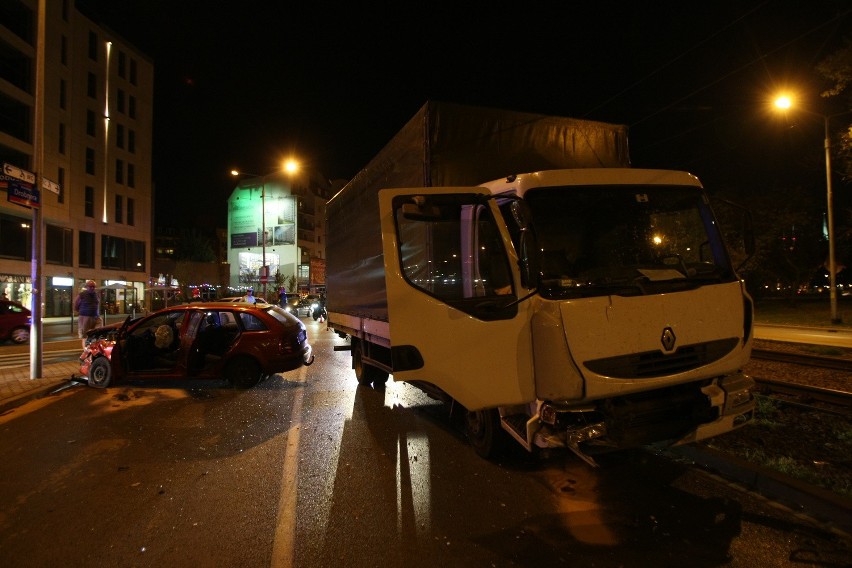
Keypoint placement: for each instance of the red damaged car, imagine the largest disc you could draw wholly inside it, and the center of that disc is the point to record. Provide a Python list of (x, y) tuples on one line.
[(242, 343)]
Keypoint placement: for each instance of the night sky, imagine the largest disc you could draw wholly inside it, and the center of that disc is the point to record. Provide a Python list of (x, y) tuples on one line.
[(243, 84)]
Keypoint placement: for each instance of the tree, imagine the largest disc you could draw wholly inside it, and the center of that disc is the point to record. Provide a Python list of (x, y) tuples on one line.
[(837, 69)]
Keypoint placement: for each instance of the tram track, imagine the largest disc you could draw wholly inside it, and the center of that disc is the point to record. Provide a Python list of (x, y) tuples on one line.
[(822, 362)]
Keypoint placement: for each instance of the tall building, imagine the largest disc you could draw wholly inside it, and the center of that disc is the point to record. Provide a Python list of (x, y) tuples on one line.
[(278, 222), (96, 135)]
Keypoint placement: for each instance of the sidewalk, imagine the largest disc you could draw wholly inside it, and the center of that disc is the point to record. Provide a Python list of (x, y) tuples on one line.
[(17, 388)]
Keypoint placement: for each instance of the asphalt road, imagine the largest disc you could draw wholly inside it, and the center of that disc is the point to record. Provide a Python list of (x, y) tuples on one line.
[(309, 469)]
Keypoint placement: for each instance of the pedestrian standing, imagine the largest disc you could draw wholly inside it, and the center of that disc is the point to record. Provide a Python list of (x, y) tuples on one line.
[(88, 306), (249, 297)]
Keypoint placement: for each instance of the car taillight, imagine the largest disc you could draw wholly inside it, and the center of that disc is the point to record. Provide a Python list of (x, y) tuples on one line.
[(291, 344)]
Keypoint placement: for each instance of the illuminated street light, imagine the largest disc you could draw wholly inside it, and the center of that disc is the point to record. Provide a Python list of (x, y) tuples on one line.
[(289, 167), (785, 102)]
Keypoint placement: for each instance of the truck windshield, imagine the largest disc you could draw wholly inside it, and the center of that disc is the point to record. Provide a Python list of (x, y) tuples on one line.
[(602, 240)]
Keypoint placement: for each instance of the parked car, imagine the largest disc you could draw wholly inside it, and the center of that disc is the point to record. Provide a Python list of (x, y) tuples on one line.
[(240, 342), (292, 305), (15, 321), (306, 304)]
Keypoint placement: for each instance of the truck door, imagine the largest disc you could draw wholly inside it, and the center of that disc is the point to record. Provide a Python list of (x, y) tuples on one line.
[(452, 280)]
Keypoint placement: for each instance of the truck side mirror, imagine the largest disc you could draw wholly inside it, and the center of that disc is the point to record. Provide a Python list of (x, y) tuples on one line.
[(529, 259), (529, 255)]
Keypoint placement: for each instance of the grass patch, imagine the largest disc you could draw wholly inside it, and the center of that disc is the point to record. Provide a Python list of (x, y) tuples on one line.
[(814, 448), (803, 311)]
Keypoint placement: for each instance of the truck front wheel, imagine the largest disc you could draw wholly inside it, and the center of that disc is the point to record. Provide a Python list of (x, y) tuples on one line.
[(485, 433), (366, 373)]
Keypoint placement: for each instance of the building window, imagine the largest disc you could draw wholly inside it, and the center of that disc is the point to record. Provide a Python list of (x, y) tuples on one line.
[(90, 161), (119, 209), (61, 138), (90, 122), (86, 254), (122, 64), (89, 202), (112, 252), (15, 237), (92, 85), (131, 110), (61, 181), (131, 211), (63, 94), (63, 50), (119, 100), (119, 136), (119, 171), (93, 46), (58, 245), (136, 256), (122, 254), (132, 71), (131, 141), (131, 175)]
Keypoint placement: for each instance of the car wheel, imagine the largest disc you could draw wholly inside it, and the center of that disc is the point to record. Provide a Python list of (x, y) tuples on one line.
[(20, 335), (243, 373), (366, 373), (485, 433), (100, 373)]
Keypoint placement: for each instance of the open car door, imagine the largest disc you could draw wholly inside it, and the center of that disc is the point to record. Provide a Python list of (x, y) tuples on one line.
[(452, 282)]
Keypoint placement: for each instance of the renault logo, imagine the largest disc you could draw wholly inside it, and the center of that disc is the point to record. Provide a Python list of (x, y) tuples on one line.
[(668, 339)]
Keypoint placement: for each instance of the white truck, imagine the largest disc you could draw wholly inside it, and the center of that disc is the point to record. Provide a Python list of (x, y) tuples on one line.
[(573, 302)]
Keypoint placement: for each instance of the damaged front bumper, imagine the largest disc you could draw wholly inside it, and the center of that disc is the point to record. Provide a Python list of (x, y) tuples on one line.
[(674, 416)]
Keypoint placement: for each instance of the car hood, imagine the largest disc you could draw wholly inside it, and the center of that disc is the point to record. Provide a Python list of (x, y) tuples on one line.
[(105, 330)]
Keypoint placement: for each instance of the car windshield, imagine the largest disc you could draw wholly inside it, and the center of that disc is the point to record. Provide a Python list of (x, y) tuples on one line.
[(601, 240)]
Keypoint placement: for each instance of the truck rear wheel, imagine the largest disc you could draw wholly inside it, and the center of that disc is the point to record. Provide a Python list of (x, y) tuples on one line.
[(366, 373)]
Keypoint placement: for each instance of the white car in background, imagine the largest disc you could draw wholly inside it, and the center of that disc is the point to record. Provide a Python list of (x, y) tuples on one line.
[(241, 299)]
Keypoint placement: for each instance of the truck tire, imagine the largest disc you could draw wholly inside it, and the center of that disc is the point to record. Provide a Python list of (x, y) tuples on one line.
[(366, 373), (485, 434)]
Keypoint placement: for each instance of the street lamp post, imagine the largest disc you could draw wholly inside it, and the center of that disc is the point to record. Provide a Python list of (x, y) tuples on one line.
[(784, 103), (832, 270)]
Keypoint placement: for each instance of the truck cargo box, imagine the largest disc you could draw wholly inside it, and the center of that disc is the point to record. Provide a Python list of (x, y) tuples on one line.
[(447, 144)]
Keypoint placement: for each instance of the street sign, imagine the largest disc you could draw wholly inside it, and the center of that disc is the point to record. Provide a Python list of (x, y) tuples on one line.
[(50, 186), (22, 193), (18, 173)]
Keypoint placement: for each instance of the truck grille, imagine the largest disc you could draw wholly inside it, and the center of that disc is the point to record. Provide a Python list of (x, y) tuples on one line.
[(663, 414), (658, 364)]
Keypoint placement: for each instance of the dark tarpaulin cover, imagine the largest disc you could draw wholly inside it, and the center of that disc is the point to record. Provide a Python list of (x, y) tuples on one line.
[(447, 144)]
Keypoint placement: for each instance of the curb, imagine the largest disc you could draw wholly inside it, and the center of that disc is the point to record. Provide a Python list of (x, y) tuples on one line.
[(820, 503), (32, 394)]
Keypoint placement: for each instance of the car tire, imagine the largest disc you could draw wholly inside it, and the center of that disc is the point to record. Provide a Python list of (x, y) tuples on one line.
[(20, 335), (243, 372), (100, 373)]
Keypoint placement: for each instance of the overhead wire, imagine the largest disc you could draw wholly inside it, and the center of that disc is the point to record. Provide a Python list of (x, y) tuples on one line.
[(675, 60)]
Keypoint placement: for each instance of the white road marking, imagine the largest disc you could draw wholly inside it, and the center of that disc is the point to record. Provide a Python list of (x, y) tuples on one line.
[(283, 545)]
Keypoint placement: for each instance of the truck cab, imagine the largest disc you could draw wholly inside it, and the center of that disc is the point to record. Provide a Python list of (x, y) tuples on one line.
[(589, 308)]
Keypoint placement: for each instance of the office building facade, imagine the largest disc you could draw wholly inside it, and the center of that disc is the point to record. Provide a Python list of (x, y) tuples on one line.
[(96, 139)]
